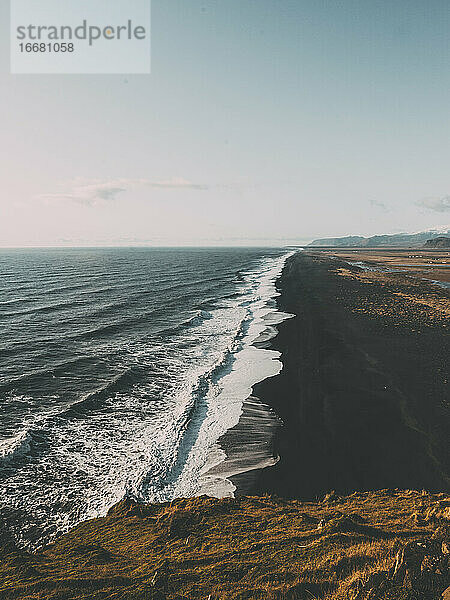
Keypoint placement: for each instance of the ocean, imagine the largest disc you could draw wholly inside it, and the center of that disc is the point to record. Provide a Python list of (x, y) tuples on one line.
[(120, 369)]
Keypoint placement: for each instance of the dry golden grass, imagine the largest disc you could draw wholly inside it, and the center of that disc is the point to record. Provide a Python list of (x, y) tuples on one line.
[(430, 264), (249, 547)]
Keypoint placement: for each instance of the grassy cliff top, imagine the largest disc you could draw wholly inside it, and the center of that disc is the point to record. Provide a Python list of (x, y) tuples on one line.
[(249, 547)]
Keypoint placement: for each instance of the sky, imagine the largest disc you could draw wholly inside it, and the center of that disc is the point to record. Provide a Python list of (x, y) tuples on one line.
[(263, 122)]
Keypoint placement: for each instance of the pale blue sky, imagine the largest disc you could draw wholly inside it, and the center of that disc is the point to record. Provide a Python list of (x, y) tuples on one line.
[(262, 122)]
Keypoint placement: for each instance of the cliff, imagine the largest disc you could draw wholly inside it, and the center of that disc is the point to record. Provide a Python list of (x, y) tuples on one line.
[(389, 544)]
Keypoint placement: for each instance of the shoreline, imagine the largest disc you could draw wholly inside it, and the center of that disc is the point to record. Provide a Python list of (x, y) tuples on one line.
[(246, 456), (362, 393), (236, 458)]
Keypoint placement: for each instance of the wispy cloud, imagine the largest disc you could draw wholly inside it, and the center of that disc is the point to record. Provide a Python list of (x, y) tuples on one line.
[(88, 194), (96, 192), (435, 204), (379, 204), (176, 183)]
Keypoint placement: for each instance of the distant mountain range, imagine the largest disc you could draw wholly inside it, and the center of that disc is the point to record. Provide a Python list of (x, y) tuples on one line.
[(379, 241)]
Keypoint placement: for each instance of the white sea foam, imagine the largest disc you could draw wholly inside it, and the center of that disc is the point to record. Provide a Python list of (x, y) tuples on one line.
[(158, 439), (224, 401), (15, 446), (171, 456)]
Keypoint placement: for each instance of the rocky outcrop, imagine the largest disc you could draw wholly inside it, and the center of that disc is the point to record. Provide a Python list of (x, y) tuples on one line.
[(420, 571)]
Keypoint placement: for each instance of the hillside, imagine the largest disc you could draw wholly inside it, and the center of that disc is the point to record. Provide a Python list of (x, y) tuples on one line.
[(379, 545), (439, 242)]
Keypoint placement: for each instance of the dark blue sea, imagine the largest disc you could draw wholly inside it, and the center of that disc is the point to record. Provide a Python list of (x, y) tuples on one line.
[(120, 369)]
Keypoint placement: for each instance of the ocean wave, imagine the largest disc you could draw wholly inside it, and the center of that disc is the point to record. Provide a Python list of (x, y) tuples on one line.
[(15, 301), (65, 288), (15, 447), (28, 442), (194, 283), (220, 392), (217, 395), (199, 318), (115, 327), (45, 309), (194, 321), (11, 384), (100, 290), (95, 399), (161, 481), (185, 429)]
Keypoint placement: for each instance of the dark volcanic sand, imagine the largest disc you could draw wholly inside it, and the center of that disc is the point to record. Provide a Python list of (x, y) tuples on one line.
[(363, 394)]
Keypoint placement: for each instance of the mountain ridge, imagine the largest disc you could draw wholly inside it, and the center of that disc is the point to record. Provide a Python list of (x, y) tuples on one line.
[(384, 240)]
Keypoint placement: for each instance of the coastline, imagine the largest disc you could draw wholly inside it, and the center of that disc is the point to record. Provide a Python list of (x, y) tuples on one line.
[(235, 458), (337, 355), (362, 393), (248, 448)]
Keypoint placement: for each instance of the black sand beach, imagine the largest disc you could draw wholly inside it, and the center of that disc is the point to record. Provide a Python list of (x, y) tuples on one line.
[(363, 394)]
